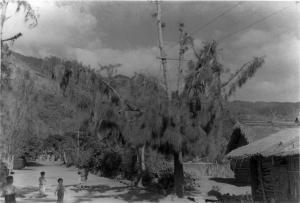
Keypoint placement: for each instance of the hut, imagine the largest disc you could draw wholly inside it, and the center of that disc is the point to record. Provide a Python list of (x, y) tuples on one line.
[(274, 166), (243, 134)]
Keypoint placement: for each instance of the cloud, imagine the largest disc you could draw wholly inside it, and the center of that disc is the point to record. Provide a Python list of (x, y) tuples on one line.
[(122, 32), (59, 28), (135, 60)]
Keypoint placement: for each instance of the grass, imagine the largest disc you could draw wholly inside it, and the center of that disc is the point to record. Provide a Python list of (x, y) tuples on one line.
[(209, 169)]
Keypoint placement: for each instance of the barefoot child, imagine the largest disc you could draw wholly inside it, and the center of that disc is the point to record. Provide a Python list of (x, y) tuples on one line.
[(42, 184), (9, 191), (60, 190)]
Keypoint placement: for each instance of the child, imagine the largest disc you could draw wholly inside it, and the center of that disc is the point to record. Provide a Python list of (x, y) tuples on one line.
[(9, 191), (60, 190), (42, 184), (83, 177)]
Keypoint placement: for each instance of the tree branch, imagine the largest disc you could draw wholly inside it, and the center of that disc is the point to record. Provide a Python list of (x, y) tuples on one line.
[(130, 108), (234, 75), (13, 37)]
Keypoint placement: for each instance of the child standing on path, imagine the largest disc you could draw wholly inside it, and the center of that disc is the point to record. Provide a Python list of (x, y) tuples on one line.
[(42, 184), (9, 190), (60, 190), (83, 173)]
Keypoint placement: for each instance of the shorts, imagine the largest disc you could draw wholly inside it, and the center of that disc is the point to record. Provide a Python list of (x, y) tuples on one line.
[(42, 189)]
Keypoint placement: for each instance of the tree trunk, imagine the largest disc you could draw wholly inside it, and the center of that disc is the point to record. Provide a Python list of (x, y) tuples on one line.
[(3, 18), (65, 160), (141, 164), (178, 174), (10, 163)]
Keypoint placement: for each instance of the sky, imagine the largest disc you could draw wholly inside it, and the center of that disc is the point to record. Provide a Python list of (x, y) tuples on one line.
[(103, 33)]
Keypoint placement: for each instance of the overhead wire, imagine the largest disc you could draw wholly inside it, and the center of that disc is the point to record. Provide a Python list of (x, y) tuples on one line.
[(252, 24), (210, 22), (216, 18)]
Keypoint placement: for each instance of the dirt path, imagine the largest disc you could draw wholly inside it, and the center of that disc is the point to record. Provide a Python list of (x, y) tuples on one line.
[(99, 189)]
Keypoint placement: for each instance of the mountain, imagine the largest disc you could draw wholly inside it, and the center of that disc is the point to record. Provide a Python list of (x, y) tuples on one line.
[(56, 113), (50, 111), (264, 111)]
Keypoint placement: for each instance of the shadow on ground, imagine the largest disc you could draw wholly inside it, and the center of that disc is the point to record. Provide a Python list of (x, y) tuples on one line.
[(230, 181), (126, 193), (33, 163), (26, 190)]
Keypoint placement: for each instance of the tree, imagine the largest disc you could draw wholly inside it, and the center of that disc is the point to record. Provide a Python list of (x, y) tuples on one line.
[(30, 15), (197, 113), (18, 114), (144, 92), (12, 126), (204, 92)]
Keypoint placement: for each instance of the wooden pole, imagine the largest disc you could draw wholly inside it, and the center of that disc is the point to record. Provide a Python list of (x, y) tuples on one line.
[(260, 177), (3, 18), (78, 148), (161, 46), (180, 59)]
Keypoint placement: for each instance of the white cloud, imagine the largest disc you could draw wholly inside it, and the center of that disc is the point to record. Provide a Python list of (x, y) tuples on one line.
[(58, 29), (111, 33)]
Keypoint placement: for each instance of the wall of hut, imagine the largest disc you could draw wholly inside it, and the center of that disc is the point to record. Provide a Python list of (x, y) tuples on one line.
[(241, 169), (275, 178)]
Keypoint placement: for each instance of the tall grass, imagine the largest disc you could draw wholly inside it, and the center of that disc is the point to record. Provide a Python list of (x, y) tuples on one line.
[(209, 169)]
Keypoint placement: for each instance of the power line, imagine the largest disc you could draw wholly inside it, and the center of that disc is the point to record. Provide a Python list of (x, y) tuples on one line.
[(211, 21), (216, 18), (252, 24)]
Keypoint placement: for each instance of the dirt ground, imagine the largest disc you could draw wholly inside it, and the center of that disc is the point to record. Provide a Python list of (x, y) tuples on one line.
[(102, 189)]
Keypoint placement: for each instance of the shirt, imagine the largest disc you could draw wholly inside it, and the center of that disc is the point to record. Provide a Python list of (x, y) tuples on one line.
[(9, 190), (42, 181)]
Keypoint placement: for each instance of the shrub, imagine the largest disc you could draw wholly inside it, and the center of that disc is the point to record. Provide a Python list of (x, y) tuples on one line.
[(111, 164), (129, 166)]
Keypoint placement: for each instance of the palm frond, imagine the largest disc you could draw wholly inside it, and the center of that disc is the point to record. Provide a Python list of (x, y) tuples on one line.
[(242, 75)]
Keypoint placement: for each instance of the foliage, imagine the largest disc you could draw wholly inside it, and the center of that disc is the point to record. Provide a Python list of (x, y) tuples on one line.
[(111, 164), (243, 75), (30, 14), (18, 115)]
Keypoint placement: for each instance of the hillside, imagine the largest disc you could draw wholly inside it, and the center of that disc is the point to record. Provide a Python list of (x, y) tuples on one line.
[(51, 112), (264, 111), (57, 114)]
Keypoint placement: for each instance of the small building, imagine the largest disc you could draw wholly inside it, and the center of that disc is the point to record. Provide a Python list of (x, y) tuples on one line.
[(243, 134), (273, 165)]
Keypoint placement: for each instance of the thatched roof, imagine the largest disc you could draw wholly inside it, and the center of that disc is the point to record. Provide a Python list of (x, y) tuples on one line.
[(282, 143), (256, 130), (247, 131)]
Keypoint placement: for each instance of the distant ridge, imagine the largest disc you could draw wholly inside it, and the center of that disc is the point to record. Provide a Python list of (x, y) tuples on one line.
[(242, 110)]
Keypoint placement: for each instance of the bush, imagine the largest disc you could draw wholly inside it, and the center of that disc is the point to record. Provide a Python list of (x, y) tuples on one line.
[(159, 167), (129, 166), (111, 163)]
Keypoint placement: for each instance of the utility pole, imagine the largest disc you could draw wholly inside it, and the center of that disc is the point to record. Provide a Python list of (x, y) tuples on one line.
[(178, 166), (78, 148), (2, 20), (161, 46), (180, 59)]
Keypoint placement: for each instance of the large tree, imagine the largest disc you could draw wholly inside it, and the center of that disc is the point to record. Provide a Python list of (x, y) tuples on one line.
[(205, 93)]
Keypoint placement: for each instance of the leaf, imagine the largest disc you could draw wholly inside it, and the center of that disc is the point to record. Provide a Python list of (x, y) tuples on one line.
[(243, 75)]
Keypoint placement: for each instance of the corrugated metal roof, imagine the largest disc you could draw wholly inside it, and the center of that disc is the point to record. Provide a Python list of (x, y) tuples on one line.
[(282, 143)]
